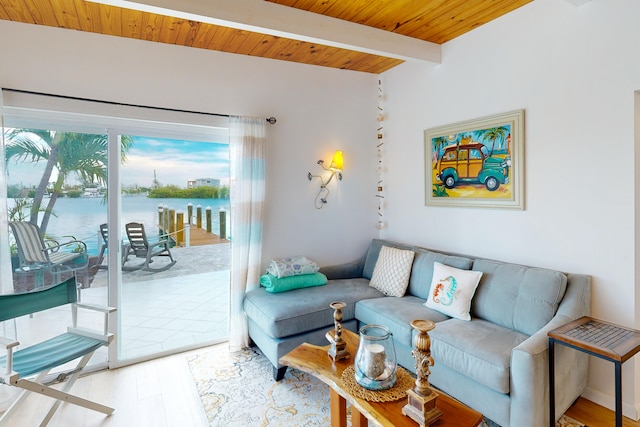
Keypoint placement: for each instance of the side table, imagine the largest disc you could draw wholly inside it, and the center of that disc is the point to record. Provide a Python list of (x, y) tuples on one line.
[(605, 340)]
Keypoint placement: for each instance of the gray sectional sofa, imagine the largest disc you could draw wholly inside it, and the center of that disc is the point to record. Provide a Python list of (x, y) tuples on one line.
[(497, 363)]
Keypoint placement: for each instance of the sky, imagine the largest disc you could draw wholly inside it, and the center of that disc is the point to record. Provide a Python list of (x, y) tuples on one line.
[(174, 163)]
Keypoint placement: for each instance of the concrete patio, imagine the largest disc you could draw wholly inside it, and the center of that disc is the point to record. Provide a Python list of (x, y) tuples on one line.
[(181, 307)]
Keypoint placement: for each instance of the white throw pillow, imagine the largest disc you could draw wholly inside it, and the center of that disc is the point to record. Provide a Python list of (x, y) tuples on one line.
[(392, 270), (452, 290)]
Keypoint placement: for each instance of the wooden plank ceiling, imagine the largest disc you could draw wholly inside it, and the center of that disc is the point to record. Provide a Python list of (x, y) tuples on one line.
[(436, 21)]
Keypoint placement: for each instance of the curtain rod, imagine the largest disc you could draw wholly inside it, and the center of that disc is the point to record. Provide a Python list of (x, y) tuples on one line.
[(270, 120)]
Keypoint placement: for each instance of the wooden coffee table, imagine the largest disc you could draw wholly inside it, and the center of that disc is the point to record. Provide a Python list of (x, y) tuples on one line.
[(315, 361)]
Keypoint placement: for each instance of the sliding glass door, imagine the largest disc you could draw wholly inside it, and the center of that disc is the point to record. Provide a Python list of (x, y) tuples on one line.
[(174, 289), (84, 173), (56, 179)]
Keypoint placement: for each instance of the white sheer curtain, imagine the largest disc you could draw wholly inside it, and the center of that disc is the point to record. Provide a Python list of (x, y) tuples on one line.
[(7, 394), (6, 277), (247, 142)]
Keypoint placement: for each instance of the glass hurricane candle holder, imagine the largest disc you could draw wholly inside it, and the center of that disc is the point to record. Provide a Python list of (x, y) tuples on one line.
[(375, 363)]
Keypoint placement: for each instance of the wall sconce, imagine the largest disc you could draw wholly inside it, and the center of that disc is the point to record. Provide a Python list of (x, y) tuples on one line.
[(335, 169)]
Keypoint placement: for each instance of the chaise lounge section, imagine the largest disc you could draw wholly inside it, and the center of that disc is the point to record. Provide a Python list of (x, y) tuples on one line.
[(496, 363)]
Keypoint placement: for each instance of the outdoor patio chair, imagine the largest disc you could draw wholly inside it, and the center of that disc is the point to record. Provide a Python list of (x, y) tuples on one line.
[(140, 247), (28, 367), (40, 256), (104, 232)]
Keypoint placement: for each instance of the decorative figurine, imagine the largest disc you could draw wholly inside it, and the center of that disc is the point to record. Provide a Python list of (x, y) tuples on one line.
[(422, 398), (338, 349)]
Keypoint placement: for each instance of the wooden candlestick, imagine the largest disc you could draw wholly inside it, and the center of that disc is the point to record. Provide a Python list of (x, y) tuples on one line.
[(338, 349), (422, 398)]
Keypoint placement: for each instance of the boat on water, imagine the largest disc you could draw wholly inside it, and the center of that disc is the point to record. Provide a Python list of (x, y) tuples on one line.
[(92, 192)]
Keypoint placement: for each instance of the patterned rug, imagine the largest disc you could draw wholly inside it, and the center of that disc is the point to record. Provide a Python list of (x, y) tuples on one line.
[(237, 389)]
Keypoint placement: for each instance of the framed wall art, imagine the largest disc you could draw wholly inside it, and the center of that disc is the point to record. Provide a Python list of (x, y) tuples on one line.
[(476, 163)]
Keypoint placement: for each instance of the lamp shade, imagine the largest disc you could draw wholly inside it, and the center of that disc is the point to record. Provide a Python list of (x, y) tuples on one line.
[(336, 162)]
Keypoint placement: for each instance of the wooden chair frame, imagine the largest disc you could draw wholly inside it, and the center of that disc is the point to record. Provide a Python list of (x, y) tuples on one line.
[(27, 368)]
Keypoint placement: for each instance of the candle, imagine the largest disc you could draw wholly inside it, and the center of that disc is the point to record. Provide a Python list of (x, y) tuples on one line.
[(374, 358)]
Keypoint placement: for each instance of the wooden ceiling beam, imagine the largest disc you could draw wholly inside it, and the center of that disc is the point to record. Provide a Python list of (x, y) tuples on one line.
[(281, 21)]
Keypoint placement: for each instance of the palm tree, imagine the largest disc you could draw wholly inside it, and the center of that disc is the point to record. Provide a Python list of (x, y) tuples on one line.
[(84, 155), (493, 135), (438, 143)]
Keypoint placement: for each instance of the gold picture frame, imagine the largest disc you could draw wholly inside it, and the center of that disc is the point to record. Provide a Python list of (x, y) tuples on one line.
[(476, 163)]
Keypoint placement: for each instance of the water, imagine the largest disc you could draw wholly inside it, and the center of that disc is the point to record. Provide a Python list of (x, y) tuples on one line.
[(81, 217)]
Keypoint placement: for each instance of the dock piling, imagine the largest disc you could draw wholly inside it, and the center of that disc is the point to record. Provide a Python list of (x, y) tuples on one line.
[(180, 232), (223, 223)]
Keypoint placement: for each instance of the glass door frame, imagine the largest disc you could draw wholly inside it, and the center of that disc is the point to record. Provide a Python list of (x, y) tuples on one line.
[(116, 358), (114, 248)]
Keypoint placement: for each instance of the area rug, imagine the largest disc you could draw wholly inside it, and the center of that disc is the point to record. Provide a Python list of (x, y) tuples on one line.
[(237, 389)]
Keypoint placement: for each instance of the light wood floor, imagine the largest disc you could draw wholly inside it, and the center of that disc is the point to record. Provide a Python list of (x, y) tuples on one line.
[(161, 393), (595, 415), (158, 393)]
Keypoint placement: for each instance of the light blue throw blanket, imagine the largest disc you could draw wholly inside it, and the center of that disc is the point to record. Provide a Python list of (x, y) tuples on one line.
[(292, 266), (282, 284)]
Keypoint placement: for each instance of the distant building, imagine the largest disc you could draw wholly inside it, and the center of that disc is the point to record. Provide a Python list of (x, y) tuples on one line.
[(203, 182)]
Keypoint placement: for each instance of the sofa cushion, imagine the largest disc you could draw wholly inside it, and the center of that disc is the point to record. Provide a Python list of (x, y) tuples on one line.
[(422, 271), (374, 251), (396, 314), (452, 290), (392, 270), (517, 297), (478, 349), (302, 310)]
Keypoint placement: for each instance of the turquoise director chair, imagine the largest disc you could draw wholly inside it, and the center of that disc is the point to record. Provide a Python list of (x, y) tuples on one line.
[(27, 368)]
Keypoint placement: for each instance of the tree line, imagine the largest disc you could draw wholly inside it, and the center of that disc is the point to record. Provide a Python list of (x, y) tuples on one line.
[(175, 192)]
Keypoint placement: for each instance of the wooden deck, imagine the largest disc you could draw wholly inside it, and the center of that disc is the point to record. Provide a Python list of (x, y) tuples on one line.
[(200, 237)]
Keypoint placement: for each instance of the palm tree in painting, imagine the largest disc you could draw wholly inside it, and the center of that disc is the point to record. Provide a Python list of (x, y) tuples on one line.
[(493, 135), (438, 144), (66, 153)]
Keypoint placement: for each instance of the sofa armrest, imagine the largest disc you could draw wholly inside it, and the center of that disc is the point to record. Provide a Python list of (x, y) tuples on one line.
[(529, 388), (350, 270)]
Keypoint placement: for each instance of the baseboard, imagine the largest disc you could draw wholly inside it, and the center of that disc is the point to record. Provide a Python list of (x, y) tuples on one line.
[(609, 402)]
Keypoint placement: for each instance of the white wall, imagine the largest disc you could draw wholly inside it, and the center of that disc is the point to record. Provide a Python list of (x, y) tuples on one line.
[(318, 110), (574, 71)]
